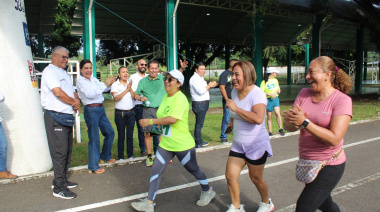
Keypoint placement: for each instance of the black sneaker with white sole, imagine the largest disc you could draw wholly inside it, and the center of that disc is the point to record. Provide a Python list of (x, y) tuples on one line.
[(69, 185), (65, 194)]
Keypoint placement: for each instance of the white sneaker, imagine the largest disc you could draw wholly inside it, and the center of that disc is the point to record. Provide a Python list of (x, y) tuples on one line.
[(263, 207), (206, 197), (233, 209), (143, 205)]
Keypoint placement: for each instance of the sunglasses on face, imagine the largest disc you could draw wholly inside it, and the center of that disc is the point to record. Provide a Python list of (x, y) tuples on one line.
[(170, 79), (142, 64)]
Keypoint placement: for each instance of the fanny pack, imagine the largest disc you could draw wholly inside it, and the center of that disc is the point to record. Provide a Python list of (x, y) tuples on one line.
[(62, 118), (156, 130), (307, 170)]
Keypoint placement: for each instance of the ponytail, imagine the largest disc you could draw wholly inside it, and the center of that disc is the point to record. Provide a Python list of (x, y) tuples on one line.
[(341, 81)]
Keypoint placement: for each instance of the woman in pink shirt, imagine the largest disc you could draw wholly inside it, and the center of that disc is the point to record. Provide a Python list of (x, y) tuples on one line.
[(323, 113)]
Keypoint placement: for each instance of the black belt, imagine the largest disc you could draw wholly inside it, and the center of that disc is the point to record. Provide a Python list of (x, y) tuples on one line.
[(95, 105), (139, 105), (203, 101), (131, 110)]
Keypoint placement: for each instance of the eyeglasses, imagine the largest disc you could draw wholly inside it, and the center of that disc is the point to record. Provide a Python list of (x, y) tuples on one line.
[(170, 79), (64, 57), (142, 64)]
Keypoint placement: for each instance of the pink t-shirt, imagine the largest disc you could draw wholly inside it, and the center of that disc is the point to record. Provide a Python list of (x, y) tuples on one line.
[(320, 113)]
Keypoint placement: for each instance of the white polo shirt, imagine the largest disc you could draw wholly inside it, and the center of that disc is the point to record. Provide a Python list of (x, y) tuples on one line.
[(198, 88), (136, 77), (91, 92), (54, 77), (126, 103)]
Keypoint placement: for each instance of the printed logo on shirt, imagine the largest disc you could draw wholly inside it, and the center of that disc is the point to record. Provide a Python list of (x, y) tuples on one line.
[(229, 78), (58, 129), (166, 110), (325, 112)]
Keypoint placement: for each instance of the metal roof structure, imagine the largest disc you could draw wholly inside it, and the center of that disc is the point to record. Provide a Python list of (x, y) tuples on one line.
[(203, 21)]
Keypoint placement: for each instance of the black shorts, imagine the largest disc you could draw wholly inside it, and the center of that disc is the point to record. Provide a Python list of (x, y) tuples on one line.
[(257, 162)]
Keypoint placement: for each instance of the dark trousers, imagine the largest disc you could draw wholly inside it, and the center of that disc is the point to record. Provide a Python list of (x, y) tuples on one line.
[(125, 122), (317, 194), (60, 140), (200, 110)]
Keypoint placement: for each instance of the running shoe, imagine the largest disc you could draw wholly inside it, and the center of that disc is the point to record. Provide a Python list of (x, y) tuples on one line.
[(204, 144), (263, 207), (149, 161), (65, 194), (281, 131), (143, 205), (233, 209), (206, 197), (270, 133)]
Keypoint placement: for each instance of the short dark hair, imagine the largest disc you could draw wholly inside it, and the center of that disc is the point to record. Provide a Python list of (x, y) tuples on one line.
[(199, 64), (83, 62), (153, 61)]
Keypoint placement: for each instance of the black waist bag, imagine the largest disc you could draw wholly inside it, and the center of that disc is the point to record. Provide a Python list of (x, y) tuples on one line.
[(62, 118)]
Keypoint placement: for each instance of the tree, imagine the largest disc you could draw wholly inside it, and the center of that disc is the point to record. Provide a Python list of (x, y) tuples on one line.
[(62, 31)]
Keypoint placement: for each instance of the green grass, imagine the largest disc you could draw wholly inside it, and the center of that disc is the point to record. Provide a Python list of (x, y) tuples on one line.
[(362, 109)]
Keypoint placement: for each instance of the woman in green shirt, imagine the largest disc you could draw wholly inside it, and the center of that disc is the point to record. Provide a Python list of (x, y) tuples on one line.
[(176, 140)]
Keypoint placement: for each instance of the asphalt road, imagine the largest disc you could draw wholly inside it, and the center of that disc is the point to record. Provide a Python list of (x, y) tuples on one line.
[(358, 190)]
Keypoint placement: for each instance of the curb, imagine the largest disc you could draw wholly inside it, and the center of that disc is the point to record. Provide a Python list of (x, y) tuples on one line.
[(142, 159)]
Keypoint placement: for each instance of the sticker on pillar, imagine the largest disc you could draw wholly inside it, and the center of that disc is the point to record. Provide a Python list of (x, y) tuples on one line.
[(32, 73), (26, 34)]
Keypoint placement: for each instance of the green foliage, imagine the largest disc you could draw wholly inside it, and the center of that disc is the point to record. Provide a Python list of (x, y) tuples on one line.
[(62, 31)]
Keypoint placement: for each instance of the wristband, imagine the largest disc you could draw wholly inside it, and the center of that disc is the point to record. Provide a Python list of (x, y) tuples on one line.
[(150, 121)]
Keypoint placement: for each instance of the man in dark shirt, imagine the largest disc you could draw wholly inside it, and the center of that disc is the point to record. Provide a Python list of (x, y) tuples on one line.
[(225, 87)]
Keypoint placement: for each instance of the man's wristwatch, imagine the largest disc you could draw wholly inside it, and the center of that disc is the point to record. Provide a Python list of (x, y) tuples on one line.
[(304, 124)]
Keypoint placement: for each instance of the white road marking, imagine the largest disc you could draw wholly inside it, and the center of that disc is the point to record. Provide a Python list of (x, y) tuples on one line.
[(221, 177), (341, 189)]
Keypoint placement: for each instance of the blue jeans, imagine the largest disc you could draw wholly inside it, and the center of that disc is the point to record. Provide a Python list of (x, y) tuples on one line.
[(200, 110), (3, 149), (225, 121), (96, 118), (124, 119)]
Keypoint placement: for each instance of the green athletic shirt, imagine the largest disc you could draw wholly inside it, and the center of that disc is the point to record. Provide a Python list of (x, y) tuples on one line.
[(175, 137), (270, 87), (154, 90)]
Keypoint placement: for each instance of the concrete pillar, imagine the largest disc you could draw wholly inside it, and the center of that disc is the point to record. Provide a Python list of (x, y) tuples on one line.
[(316, 50), (359, 60), (89, 34), (289, 78), (257, 48), (171, 36)]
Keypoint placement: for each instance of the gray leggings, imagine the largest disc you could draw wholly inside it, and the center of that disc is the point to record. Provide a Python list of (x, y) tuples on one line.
[(187, 159)]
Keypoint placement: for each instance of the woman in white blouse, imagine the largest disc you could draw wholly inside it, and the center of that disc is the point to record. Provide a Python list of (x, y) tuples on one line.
[(90, 91), (124, 114), (200, 100)]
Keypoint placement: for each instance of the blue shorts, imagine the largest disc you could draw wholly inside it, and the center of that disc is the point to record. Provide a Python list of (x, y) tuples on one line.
[(272, 103)]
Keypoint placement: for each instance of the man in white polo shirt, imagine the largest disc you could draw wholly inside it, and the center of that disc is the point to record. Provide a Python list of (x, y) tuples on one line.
[(60, 101)]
